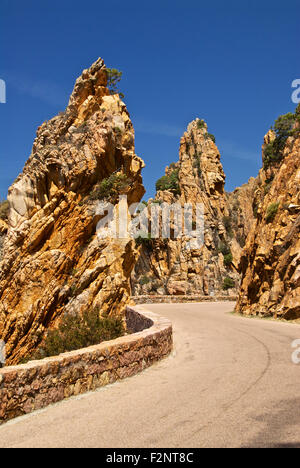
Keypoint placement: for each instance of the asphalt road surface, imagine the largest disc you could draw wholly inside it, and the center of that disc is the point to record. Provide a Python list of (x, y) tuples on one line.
[(230, 382)]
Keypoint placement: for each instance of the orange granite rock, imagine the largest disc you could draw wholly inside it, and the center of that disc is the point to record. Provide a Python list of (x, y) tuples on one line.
[(52, 260)]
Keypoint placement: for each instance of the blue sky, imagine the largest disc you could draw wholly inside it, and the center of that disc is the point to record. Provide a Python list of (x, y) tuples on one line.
[(230, 62)]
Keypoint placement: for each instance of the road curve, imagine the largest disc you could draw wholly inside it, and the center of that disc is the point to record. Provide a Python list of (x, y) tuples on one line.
[(229, 383)]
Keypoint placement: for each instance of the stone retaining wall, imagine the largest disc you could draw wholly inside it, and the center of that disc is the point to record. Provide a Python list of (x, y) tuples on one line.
[(153, 299), (37, 384)]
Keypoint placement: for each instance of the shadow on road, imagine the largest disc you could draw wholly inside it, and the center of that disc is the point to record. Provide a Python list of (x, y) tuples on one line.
[(279, 426)]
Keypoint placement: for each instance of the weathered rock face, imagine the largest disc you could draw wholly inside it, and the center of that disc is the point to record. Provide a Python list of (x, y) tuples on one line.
[(3, 232), (270, 263), (241, 215), (170, 267), (52, 260)]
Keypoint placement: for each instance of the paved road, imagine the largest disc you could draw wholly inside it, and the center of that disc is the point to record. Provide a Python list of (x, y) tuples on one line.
[(229, 383)]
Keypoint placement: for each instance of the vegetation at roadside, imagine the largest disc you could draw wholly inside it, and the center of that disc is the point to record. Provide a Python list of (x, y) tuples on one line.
[(144, 280), (228, 283), (77, 332)]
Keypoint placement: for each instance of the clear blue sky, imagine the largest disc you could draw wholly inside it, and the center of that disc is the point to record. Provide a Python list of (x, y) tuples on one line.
[(230, 62)]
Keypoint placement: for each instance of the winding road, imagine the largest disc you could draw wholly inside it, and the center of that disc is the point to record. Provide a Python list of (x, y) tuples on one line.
[(230, 382)]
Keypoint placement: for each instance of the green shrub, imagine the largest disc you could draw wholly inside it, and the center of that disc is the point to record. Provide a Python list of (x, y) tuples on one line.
[(241, 238), (284, 125), (228, 226), (228, 283), (110, 187), (79, 331), (4, 208), (212, 137), (201, 124), (284, 128), (228, 259), (169, 182), (267, 188), (272, 153), (224, 249), (145, 240), (113, 78), (144, 280), (272, 212)]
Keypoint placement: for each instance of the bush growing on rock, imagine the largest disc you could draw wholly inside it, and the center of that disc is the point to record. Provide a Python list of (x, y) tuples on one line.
[(284, 127), (4, 207), (228, 283), (226, 251), (228, 259), (145, 240), (201, 124), (110, 187), (228, 226), (211, 137), (144, 280), (169, 182), (272, 212), (113, 78)]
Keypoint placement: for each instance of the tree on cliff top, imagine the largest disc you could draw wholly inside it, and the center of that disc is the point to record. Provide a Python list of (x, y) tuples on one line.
[(284, 127), (114, 77)]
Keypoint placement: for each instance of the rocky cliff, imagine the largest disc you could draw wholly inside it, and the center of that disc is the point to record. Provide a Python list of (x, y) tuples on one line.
[(169, 266), (52, 260), (270, 263)]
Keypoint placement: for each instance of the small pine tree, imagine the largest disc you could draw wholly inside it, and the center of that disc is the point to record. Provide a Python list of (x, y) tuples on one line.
[(114, 77)]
